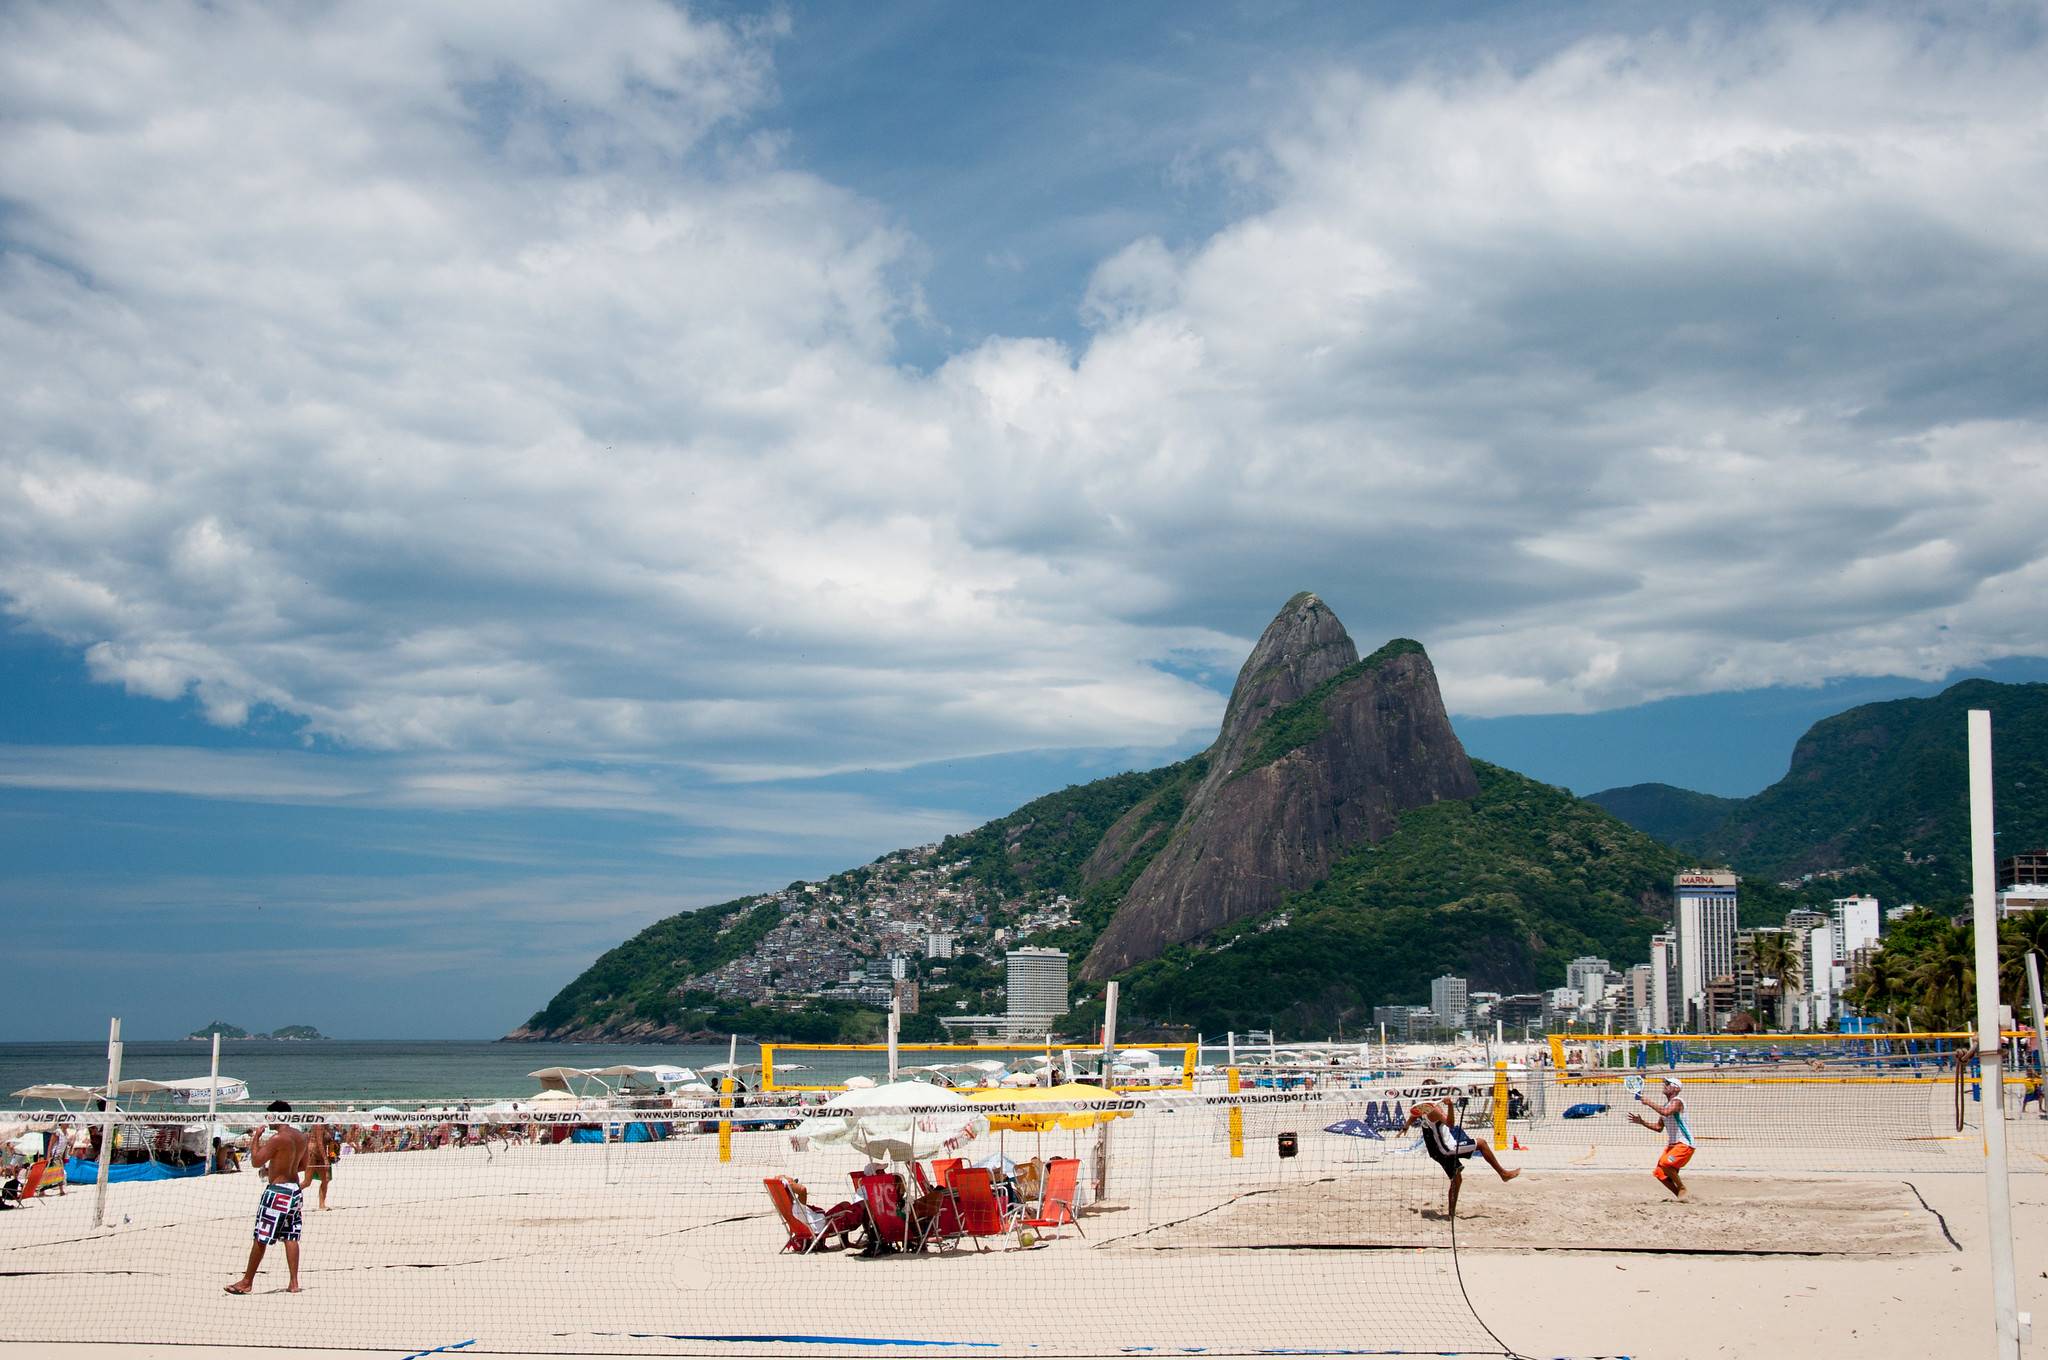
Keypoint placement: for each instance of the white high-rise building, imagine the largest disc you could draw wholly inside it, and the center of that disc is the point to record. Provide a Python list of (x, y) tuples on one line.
[(938, 944), (1663, 962), (1813, 941), (1706, 938), (1037, 984), (1588, 974), (1855, 924), (1450, 1001)]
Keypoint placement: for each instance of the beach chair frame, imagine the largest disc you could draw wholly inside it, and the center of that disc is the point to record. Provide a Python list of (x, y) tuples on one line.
[(1056, 1197)]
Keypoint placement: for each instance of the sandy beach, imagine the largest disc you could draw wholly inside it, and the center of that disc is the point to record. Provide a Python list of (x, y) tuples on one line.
[(661, 1249)]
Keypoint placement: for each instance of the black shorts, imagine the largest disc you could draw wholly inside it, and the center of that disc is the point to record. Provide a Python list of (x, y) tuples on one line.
[(1453, 1163)]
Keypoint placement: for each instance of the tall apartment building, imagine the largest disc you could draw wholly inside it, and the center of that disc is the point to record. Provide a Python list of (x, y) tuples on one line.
[(1639, 1014), (1663, 981), (1589, 975), (1854, 924), (938, 944), (1037, 984), (1450, 1002), (1813, 937), (1706, 939)]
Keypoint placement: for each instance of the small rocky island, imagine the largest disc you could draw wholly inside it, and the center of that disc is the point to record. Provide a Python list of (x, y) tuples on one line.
[(227, 1031)]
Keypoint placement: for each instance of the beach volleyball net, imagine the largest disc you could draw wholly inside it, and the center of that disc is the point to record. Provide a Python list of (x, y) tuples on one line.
[(1163, 1222), (1807, 1102), (829, 1067)]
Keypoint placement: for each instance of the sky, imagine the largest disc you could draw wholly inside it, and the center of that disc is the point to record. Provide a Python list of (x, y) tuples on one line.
[(474, 481)]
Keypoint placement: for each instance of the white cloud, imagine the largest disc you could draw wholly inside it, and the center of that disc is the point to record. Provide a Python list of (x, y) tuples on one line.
[(494, 386)]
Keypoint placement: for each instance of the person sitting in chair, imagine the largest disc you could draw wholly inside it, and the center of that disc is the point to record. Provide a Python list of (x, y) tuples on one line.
[(842, 1220)]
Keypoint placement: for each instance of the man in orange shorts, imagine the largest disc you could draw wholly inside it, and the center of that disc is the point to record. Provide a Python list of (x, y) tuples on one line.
[(1670, 1122)]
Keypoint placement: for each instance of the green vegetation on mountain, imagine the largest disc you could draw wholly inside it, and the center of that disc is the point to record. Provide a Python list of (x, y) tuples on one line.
[(1503, 889), (1876, 799), (296, 1032), (636, 981), (1041, 846), (1673, 815), (1292, 726)]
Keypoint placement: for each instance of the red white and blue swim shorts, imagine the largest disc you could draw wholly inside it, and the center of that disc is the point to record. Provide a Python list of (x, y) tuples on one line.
[(278, 1214)]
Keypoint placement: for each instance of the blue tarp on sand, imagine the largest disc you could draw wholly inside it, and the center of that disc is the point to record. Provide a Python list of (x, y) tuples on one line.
[(80, 1172)]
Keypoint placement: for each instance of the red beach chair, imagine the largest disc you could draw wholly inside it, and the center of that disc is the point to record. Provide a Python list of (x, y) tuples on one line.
[(32, 1181), (882, 1193), (981, 1213), (842, 1218), (944, 1167), (1056, 1205)]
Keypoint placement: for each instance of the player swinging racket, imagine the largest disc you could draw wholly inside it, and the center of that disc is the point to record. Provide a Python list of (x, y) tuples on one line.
[(1449, 1145), (1670, 1122)]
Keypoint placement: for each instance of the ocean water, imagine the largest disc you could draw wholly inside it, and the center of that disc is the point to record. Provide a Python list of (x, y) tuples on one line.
[(365, 1071)]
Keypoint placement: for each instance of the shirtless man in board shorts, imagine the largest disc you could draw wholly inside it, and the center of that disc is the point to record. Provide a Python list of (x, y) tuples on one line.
[(278, 1152), (320, 1154), (1677, 1133)]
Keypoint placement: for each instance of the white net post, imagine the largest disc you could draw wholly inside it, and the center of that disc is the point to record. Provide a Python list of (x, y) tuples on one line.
[(99, 1199), (1990, 1054)]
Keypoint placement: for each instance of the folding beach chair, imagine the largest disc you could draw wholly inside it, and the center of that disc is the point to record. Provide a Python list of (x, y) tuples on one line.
[(981, 1213), (944, 1167), (881, 1193), (803, 1240), (1056, 1204), (31, 1183)]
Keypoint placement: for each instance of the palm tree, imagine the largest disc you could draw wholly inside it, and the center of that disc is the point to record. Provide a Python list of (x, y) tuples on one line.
[(1944, 979), (1881, 989), (1776, 961), (2019, 936)]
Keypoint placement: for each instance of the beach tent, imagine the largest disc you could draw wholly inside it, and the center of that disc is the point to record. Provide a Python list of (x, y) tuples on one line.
[(937, 1127), (62, 1094), (185, 1090), (573, 1081), (639, 1080)]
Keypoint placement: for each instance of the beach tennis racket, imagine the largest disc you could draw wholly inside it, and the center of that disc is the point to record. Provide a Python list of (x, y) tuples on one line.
[(1632, 1084)]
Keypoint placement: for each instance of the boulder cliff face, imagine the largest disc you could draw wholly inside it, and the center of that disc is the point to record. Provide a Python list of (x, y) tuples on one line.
[(1319, 751)]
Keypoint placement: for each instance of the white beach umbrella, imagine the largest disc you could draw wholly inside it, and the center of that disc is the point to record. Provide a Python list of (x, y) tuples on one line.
[(945, 1121), (553, 1100), (860, 1083)]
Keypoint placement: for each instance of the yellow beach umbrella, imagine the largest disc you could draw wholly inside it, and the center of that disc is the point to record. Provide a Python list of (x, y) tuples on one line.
[(1027, 1122)]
